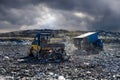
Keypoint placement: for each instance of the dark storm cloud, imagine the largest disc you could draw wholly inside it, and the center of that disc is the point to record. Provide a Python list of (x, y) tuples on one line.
[(67, 14), (109, 21), (106, 13)]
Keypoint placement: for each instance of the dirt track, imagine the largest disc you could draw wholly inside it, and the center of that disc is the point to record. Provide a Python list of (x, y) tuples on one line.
[(15, 65)]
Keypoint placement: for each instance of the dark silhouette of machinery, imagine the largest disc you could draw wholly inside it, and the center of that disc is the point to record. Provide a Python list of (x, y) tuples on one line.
[(43, 49)]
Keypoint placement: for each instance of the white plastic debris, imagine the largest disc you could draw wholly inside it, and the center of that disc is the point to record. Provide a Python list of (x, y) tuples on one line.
[(3, 70), (20, 60), (61, 78), (85, 63), (117, 76), (6, 58), (88, 72), (2, 78), (51, 73)]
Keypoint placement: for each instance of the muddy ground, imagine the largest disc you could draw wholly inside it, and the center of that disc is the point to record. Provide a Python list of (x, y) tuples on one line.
[(14, 65)]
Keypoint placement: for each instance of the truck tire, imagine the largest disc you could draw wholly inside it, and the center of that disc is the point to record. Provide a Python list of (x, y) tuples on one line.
[(33, 53)]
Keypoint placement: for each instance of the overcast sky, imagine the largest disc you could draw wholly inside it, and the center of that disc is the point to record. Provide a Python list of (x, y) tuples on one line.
[(59, 14)]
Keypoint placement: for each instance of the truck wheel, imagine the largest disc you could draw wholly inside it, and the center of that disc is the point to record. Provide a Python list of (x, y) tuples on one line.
[(33, 53)]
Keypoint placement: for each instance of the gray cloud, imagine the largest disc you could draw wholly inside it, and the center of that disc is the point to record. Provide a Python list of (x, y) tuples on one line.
[(57, 14)]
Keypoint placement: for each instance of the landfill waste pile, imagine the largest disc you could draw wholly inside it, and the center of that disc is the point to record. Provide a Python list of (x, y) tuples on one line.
[(15, 65), (15, 43)]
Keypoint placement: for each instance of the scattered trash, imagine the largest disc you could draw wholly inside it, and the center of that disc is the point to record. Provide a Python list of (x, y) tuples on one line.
[(118, 76), (105, 65), (3, 70), (61, 78), (20, 60), (51, 73), (15, 43), (85, 63), (88, 72), (6, 58)]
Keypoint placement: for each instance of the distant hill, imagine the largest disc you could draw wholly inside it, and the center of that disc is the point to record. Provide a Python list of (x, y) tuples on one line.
[(55, 33), (32, 33)]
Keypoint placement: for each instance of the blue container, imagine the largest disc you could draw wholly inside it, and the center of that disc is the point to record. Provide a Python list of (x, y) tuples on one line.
[(92, 38)]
